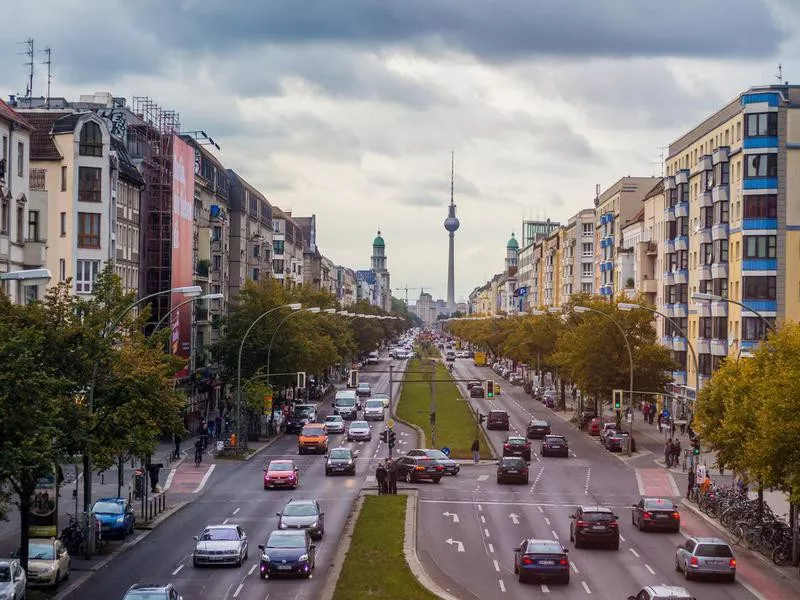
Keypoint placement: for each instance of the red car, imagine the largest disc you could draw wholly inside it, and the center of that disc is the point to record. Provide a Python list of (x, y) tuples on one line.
[(281, 473), (517, 446)]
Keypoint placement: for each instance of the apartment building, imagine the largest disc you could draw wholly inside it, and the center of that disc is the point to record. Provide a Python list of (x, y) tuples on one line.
[(578, 255), (251, 236), (127, 185), (346, 286), (287, 249)]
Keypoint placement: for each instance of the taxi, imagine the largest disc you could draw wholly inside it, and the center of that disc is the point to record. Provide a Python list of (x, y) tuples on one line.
[(313, 438)]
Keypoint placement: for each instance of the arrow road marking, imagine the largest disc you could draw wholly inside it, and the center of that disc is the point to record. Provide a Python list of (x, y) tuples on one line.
[(454, 515), (514, 518), (460, 545)]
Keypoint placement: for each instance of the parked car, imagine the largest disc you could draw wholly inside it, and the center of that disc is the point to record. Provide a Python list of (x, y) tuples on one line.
[(473, 383), (541, 559), (48, 563), (656, 513), (537, 429), (512, 469), (595, 425), (606, 430), (115, 515), (705, 556), (594, 525), (302, 414), (618, 441), (497, 419)]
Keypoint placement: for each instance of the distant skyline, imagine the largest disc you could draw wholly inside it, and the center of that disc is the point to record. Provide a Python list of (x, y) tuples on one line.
[(350, 111)]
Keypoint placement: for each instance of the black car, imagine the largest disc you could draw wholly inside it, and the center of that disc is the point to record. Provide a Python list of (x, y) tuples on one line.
[(554, 445), (618, 442), (287, 552), (472, 384), (594, 525), (541, 559), (517, 446), (497, 419), (512, 469), (477, 391), (451, 467), (302, 415), (341, 460), (537, 429), (656, 513), (414, 468), (303, 514)]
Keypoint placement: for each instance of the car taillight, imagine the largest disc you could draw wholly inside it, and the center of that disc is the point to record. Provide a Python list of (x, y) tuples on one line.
[(582, 523), (419, 468), (647, 515), (693, 561), (563, 561), (440, 468), (732, 563), (525, 471), (613, 524), (676, 515), (527, 560), (507, 446)]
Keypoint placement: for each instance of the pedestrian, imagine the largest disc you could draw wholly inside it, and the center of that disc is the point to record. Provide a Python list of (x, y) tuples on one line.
[(211, 429), (476, 451), (672, 427), (177, 453), (153, 470), (668, 453), (380, 477), (218, 426), (391, 467), (676, 452), (683, 428), (690, 486), (706, 485)]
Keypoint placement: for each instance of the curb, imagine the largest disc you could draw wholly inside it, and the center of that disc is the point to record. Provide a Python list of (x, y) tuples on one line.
[(341, 550)]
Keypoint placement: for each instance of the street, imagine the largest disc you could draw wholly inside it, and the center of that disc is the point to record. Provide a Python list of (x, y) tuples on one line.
[(234, 494)]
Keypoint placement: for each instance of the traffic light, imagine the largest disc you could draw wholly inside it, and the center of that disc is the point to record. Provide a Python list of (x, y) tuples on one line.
[(392, 438), (385, 436), (301, 380), (617, 399), (352, 381), (481, 418), (490, 388), (696, 448)]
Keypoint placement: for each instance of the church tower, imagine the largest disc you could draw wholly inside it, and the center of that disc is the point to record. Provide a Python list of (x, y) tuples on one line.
[(383, 289)]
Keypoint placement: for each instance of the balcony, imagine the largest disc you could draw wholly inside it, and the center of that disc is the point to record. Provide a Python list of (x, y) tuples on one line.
[(669, 310), (748, 346), (719, 270), (702, 346), (759, 224), (759, 264), (649, 286), (719, 308), (666, 341), (669, 246), (761, 306), (719, 347), (682, 242), (669, 278), (760, 183), (704, 272), (682, 209), (720, 155), (702, 309), (719, 231), (769, 142), (682, 176), (704, 163), (704, 236), (680, 310), (719, 193), (34, 254), (706, 199), (681, 276), (679, 377), (679, 344), (669, 213)]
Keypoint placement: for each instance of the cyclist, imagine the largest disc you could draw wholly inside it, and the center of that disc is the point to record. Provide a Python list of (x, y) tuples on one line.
[(198, 452)]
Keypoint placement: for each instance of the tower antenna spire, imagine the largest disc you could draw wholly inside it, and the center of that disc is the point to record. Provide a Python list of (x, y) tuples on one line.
[(452, 174)]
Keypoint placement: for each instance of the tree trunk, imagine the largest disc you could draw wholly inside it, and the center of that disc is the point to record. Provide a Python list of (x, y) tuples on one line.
[(562, 401), (24, 492), (760, 498), (120, 474), (795, 533)]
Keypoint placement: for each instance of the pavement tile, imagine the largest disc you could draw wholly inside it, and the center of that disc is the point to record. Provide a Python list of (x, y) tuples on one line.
[(656, 482)]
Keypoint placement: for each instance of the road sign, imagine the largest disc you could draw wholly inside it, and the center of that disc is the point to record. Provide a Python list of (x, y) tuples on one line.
[(390, 423), (630, 417), (267, 403), (446, 451)]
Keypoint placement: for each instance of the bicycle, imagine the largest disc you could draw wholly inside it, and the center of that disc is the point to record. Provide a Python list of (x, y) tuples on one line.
[(198, 457)]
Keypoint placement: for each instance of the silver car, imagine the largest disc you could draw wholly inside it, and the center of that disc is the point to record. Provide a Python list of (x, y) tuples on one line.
[(334, 424), (705, 556), (219, 545), (373, 410), (359, 431), (383, 398), (12, 580)]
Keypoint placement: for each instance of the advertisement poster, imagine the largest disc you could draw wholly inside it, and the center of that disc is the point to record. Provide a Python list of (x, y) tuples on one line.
[(182, 268), (44, 508)]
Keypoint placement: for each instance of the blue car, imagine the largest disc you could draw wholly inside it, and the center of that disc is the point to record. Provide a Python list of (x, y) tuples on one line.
[(287, 552), (115, 515), (541, 559)]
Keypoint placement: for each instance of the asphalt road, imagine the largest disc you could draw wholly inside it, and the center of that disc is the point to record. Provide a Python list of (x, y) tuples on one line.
[(468, 525), (235, 494)]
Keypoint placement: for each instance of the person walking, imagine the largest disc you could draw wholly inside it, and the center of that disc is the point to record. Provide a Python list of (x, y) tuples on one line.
[(391, 467), (690, 486), (380, 477), (476, 451), (668, 453)]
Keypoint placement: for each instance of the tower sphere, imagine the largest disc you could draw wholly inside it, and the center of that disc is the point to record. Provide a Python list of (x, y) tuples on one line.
[(451, 224)]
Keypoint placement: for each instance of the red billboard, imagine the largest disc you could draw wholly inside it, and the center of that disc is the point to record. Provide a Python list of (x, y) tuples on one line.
[(182, 230)]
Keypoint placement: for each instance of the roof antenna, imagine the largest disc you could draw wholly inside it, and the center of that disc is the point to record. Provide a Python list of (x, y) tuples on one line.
[(29, 53), (779, 74), (48, 62), (452, 173)]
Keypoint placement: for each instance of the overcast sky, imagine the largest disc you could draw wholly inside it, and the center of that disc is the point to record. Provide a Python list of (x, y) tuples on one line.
[(349, 109)]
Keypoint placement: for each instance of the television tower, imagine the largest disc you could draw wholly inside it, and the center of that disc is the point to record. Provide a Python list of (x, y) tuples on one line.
[(451, 224)]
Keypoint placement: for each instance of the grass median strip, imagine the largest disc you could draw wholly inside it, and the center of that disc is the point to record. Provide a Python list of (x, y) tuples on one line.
[(375, 566), (455, 421)]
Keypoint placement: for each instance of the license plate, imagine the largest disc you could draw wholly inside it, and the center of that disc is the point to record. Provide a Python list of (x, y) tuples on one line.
[(512, 471), (598, 527), (547, 562), (662, 516), (284, 567), (431, 470)]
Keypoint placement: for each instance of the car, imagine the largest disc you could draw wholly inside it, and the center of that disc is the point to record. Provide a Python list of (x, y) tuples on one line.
[(656, 513), (281, 473), (414, 468), (13, 580), (341, 460), (451, 467), (312, 438), (516, 445), (618, 441), (374, 410), (595, 424), (554, 445), (287, 552), (364, 390), (116, 517), (383, 398), (705, 556), (219, 545), (662, 592), (477, 391), (373, 358), (512, 468), (48, 562), (474, 383), (541, 559), (594, 524), (359, 431), (497, 419), (334, 424), (606, 430), (144, 591), (303, 514), (302, 414), (537, 429), (345, 403)]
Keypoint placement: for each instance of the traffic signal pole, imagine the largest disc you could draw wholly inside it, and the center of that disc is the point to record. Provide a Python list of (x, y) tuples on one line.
[(433, 404)]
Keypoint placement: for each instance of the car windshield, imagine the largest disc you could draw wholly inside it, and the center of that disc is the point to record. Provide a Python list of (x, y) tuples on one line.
[(557, 439), (538, 424), (381, 396), (286, 541), (497, 415), (107, 508), (220, 534), (363, 386), (513, 462), (41, 552), (280, 466), (359, 425), (146, 595), (545, 547), (437, 454), (340, 453), (596, 517), (516, 441), (714, 550), (313, 431), (299, 510), (303, 409), (333, 419), (659, 504), (5, 574), (374, 404), (345, 402)]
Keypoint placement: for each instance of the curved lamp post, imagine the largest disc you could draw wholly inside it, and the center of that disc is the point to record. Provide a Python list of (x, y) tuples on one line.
[(313, 310), (295, 306), (585, 309), (163, 319)]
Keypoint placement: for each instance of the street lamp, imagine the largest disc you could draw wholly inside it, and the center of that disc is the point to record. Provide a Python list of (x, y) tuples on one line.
[(586, 309), (294, 306), (702, 296), (627, 306), (163, 319), (313, 310), (32, 277)]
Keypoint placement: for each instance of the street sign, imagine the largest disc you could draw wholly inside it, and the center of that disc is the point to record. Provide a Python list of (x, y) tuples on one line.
[(390, 423), (267, 403), (630, 417), (446, 451)]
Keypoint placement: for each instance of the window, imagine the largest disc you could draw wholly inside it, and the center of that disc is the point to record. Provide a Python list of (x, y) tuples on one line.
[(704, 327), (683, 225), (588, 229), (754, 328), (88, 230), (719, 328), (704, 364), (63, 179), (761, 206), (255, 275), (63, 223), (89, 186), (256, 252), (706, 254), (91, 142), (720, 287), (759, 288), (33, 225), (586, 288), (278, 246), (721, 251), (704, 286), (217, 265), (85, 273), (216, 233), (706, 217), (761, 124), (721, 212), (761, 165), (62, 270), (760, 246), (20, 158), (721, 173)]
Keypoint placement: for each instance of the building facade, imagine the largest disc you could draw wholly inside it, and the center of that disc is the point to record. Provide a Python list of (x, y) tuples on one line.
[(512, 297), (251, 236), (127, 185)]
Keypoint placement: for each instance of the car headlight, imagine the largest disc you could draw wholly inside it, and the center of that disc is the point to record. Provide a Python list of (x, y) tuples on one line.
[(283, 526), (120, 519), (315, 524), (303, 558)]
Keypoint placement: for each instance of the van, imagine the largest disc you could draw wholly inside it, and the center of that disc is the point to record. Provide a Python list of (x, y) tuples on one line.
[(373, 358), (345, 403)]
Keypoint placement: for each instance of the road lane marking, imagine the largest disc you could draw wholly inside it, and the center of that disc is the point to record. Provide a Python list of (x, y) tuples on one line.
[(204, 479), (545, 589), (586, 485), (586, 587), (496, 565), (480, 508), (225, 522), (649, 568), (238, 589), (486, 532), (634, 552), (555, 535), (178, 570), (483, 519), (540, 509), (621, 538), (236, 511), (483, 477), (491, 548), (574, 568), (546, 520), (253, 568), (502, 585)]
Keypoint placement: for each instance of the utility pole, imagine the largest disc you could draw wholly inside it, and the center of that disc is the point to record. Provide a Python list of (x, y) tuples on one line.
[(391, 395), (433, 403), (29, 52), (49, 64)]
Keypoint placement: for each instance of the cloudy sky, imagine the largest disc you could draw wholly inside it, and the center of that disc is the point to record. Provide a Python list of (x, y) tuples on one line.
[(349, 108)]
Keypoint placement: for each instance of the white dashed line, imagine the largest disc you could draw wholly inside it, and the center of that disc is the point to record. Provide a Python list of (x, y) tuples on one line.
[(555, 535), (586, 587), (483, 519), (649, 568), (491, 549), (480, 508), (545, 589), (496, 566), (238, 590), (483, 477), (502, 585), (586, 485), (225, 522), (541, 510), (622, 539), (178, 570), (486, 532), (253, 568), (236, 511), (546, 520), (574, 568), (634, 552)]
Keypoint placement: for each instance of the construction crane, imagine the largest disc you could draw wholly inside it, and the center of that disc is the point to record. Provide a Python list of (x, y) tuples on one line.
[(406, 288)]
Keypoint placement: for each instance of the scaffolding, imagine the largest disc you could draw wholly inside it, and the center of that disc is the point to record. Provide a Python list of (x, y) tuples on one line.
[(152, 135)]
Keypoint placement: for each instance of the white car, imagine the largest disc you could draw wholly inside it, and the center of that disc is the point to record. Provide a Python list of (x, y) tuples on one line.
[(374, 410), (48, 562), (334, 424), (383, 398), (12, 580), (219, 545), (359, 431)]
